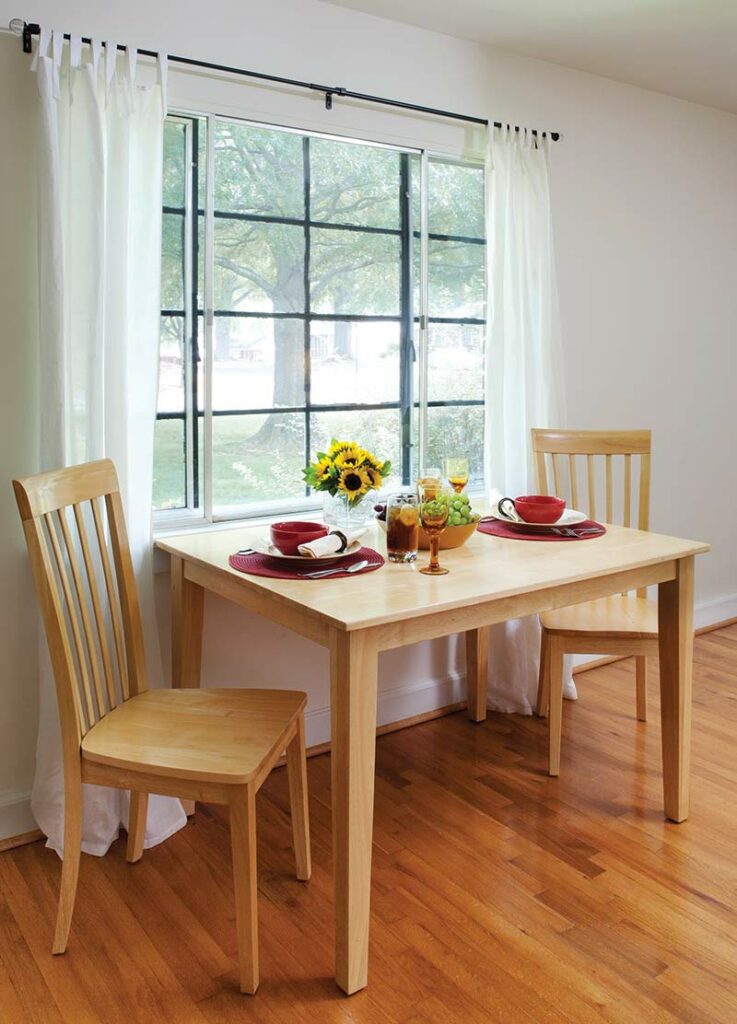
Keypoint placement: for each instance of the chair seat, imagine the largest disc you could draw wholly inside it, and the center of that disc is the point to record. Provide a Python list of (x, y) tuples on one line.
[(626, 617), (213, 735)]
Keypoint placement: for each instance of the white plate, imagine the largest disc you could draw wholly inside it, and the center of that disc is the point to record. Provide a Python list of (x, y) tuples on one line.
[(265, 547), (569, 518)]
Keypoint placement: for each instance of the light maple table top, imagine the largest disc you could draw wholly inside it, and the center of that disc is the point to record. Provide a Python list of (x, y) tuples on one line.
[(485, 569)]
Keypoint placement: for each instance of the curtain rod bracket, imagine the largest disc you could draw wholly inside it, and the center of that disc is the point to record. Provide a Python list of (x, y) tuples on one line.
[(339, 90)]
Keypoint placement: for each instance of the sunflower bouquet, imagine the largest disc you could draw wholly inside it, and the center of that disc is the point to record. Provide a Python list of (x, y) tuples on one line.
[(346, 469)]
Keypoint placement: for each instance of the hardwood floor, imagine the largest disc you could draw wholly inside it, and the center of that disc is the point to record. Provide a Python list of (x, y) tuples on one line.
[(499, 894)]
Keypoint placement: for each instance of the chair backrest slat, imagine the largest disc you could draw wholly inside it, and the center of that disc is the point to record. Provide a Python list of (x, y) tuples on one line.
[(572, 467), (111, 597), (592, 485), (623, 445), (81, 616), (627, 490), (556, 474)]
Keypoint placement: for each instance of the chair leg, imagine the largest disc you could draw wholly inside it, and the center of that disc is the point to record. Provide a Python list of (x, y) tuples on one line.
[(543, 683), (136, 826), (70, 864), (555, 716), (243, 845), (641, 684), (297, 771)]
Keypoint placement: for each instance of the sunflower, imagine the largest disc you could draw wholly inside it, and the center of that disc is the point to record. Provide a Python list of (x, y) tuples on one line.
[(337, 447), (372, 461), (374, 476), (322, 468), (354, 483), (350, 458)]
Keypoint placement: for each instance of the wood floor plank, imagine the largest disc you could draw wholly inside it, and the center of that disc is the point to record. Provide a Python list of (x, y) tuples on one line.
[(499, 894)]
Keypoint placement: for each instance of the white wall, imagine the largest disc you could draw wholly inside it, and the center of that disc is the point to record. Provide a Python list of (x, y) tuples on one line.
[(645, 205)]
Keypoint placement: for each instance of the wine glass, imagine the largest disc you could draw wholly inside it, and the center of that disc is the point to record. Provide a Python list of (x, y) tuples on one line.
[(434, 512), (456, 472), (431, 479)]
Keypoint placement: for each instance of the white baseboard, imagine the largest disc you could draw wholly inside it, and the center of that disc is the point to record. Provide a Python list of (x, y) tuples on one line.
[(15, 814), (394, 705)]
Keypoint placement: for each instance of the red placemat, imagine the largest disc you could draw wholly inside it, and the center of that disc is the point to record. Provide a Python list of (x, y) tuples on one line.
[(496, 528), (262, 565)]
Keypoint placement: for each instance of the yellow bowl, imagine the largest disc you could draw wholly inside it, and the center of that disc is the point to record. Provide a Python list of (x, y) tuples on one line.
[(451, 537)]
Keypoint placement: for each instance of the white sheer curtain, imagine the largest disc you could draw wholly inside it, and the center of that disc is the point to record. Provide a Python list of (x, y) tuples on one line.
[(523, 367), (99, 166)]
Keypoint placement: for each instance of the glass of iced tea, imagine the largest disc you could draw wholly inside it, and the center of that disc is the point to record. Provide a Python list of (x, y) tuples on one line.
[(456, 472), (434, 512), (402, 527)]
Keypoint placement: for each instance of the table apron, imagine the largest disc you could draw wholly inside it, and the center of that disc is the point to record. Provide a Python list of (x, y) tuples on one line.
[(299, 620), (488, 613), (432, 624)]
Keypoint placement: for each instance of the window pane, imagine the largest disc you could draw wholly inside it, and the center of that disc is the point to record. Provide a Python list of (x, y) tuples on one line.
[(455, 362), (259, 267), (258, 363), (172, 261), (377, 430), (455, 199), (457, 431), (258, 171), (171, 365), (456, 279), (169, 464), (354, 362), (353, 272), (354, 184), (174, 163), (257, 458)]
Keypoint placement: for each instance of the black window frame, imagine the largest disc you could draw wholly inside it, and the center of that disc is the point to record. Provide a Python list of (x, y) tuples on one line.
[(407, 317)]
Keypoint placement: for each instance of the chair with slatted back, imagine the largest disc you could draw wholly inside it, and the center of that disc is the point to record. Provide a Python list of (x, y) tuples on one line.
[(626, 624), (215, 745)]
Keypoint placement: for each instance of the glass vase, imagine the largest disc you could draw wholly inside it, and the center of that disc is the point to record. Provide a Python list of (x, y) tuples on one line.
[(338, 511)]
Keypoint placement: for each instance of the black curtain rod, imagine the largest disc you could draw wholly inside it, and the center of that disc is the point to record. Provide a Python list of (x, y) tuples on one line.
[(27, 31)]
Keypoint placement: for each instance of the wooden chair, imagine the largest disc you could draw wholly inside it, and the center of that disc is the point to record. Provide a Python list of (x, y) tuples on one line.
[(216, 745), (622, 625)]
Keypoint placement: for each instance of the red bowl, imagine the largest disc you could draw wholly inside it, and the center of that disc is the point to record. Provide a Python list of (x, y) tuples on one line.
[(288, 536), (540, 508)]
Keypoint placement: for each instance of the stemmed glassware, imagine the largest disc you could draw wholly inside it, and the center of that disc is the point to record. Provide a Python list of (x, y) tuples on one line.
[(456, 472), (434, 512)]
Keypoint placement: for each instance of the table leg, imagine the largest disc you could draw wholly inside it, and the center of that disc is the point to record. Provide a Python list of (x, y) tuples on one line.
[(353, 676), (187, 611), (187, 607), (675, 629), (477, 672)]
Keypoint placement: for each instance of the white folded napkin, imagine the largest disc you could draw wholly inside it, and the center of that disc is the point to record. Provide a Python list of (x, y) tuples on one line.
[(333, 542), (509, 512)]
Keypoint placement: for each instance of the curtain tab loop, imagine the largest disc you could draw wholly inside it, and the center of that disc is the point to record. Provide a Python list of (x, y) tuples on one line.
[(75, 51), (111, 59), (162, 62), (131, 57), (96, 53), (57, 51), (42, 50)]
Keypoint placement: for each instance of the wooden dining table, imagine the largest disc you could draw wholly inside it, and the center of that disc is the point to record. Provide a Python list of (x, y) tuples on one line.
[(491, 580)]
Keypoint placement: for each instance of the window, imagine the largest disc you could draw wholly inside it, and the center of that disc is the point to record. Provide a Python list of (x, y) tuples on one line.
[(291, 302)]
